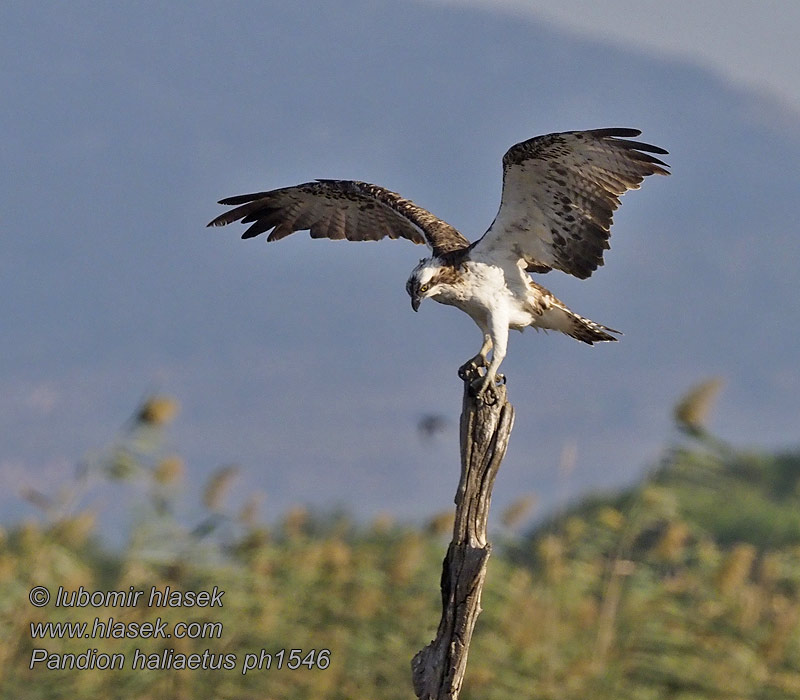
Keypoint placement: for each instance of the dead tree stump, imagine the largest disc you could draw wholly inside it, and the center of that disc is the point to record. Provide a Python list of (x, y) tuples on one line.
[(438, 669)]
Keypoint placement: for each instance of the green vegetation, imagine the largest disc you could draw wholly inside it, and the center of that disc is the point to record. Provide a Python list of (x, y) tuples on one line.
[(686, 586)]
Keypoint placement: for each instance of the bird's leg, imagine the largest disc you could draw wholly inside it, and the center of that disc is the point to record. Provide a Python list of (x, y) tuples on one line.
[(479, 360), (485, 386)]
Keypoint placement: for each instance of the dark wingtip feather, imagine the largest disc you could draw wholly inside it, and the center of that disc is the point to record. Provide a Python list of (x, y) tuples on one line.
[(651, 159), (258, 228), (641, 146), (641, 151), (616, 131), (221, 220), (242, 198)]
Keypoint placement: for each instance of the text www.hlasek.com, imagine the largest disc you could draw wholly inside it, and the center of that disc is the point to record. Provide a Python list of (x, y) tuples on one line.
[(109, 628)]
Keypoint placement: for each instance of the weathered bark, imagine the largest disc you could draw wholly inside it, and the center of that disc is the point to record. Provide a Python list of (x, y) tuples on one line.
[(438, 670)]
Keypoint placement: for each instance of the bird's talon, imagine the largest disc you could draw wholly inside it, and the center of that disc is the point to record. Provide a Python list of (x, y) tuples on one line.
[(476, 387), (490, 397), (484, 390), (469, 367)]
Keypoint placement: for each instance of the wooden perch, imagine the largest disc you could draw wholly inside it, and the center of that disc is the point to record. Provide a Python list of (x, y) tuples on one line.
[(438, 670)]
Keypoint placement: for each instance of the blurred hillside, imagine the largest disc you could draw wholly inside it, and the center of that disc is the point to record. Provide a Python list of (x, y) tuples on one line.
[(686, 585)]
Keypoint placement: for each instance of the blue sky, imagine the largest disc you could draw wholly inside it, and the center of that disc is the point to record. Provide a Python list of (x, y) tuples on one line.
[(301, 361)]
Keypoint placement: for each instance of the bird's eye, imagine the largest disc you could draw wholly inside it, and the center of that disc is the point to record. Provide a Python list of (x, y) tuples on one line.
[(423, 288)]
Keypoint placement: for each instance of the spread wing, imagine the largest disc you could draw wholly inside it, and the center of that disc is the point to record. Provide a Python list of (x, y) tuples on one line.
[(340, 209), (559, 195)]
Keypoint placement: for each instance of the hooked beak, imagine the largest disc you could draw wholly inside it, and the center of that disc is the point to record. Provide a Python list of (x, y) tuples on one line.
[(416, 300)]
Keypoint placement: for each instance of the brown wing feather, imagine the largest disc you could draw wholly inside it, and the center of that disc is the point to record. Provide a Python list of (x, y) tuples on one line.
[(340, 209), (559, 195)]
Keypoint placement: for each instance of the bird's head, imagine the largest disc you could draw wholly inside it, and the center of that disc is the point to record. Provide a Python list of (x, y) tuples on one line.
[(426, 280)]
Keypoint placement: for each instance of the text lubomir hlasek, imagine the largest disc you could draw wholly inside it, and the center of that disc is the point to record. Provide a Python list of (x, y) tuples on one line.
[(156, 598)]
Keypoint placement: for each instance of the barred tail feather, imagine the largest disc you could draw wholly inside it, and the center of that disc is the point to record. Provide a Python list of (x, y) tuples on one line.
[(590, 332), (560, 317)]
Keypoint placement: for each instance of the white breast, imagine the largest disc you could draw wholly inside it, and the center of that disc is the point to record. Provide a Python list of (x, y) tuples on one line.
[(489, 290)]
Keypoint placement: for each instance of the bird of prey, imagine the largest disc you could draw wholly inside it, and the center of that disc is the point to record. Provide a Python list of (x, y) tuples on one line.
[(559, 194)]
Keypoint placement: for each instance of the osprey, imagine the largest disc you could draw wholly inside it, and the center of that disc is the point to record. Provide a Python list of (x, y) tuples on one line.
[(559, 195)]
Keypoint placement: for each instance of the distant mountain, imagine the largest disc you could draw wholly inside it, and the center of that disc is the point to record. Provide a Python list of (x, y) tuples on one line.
[(302, 361)]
